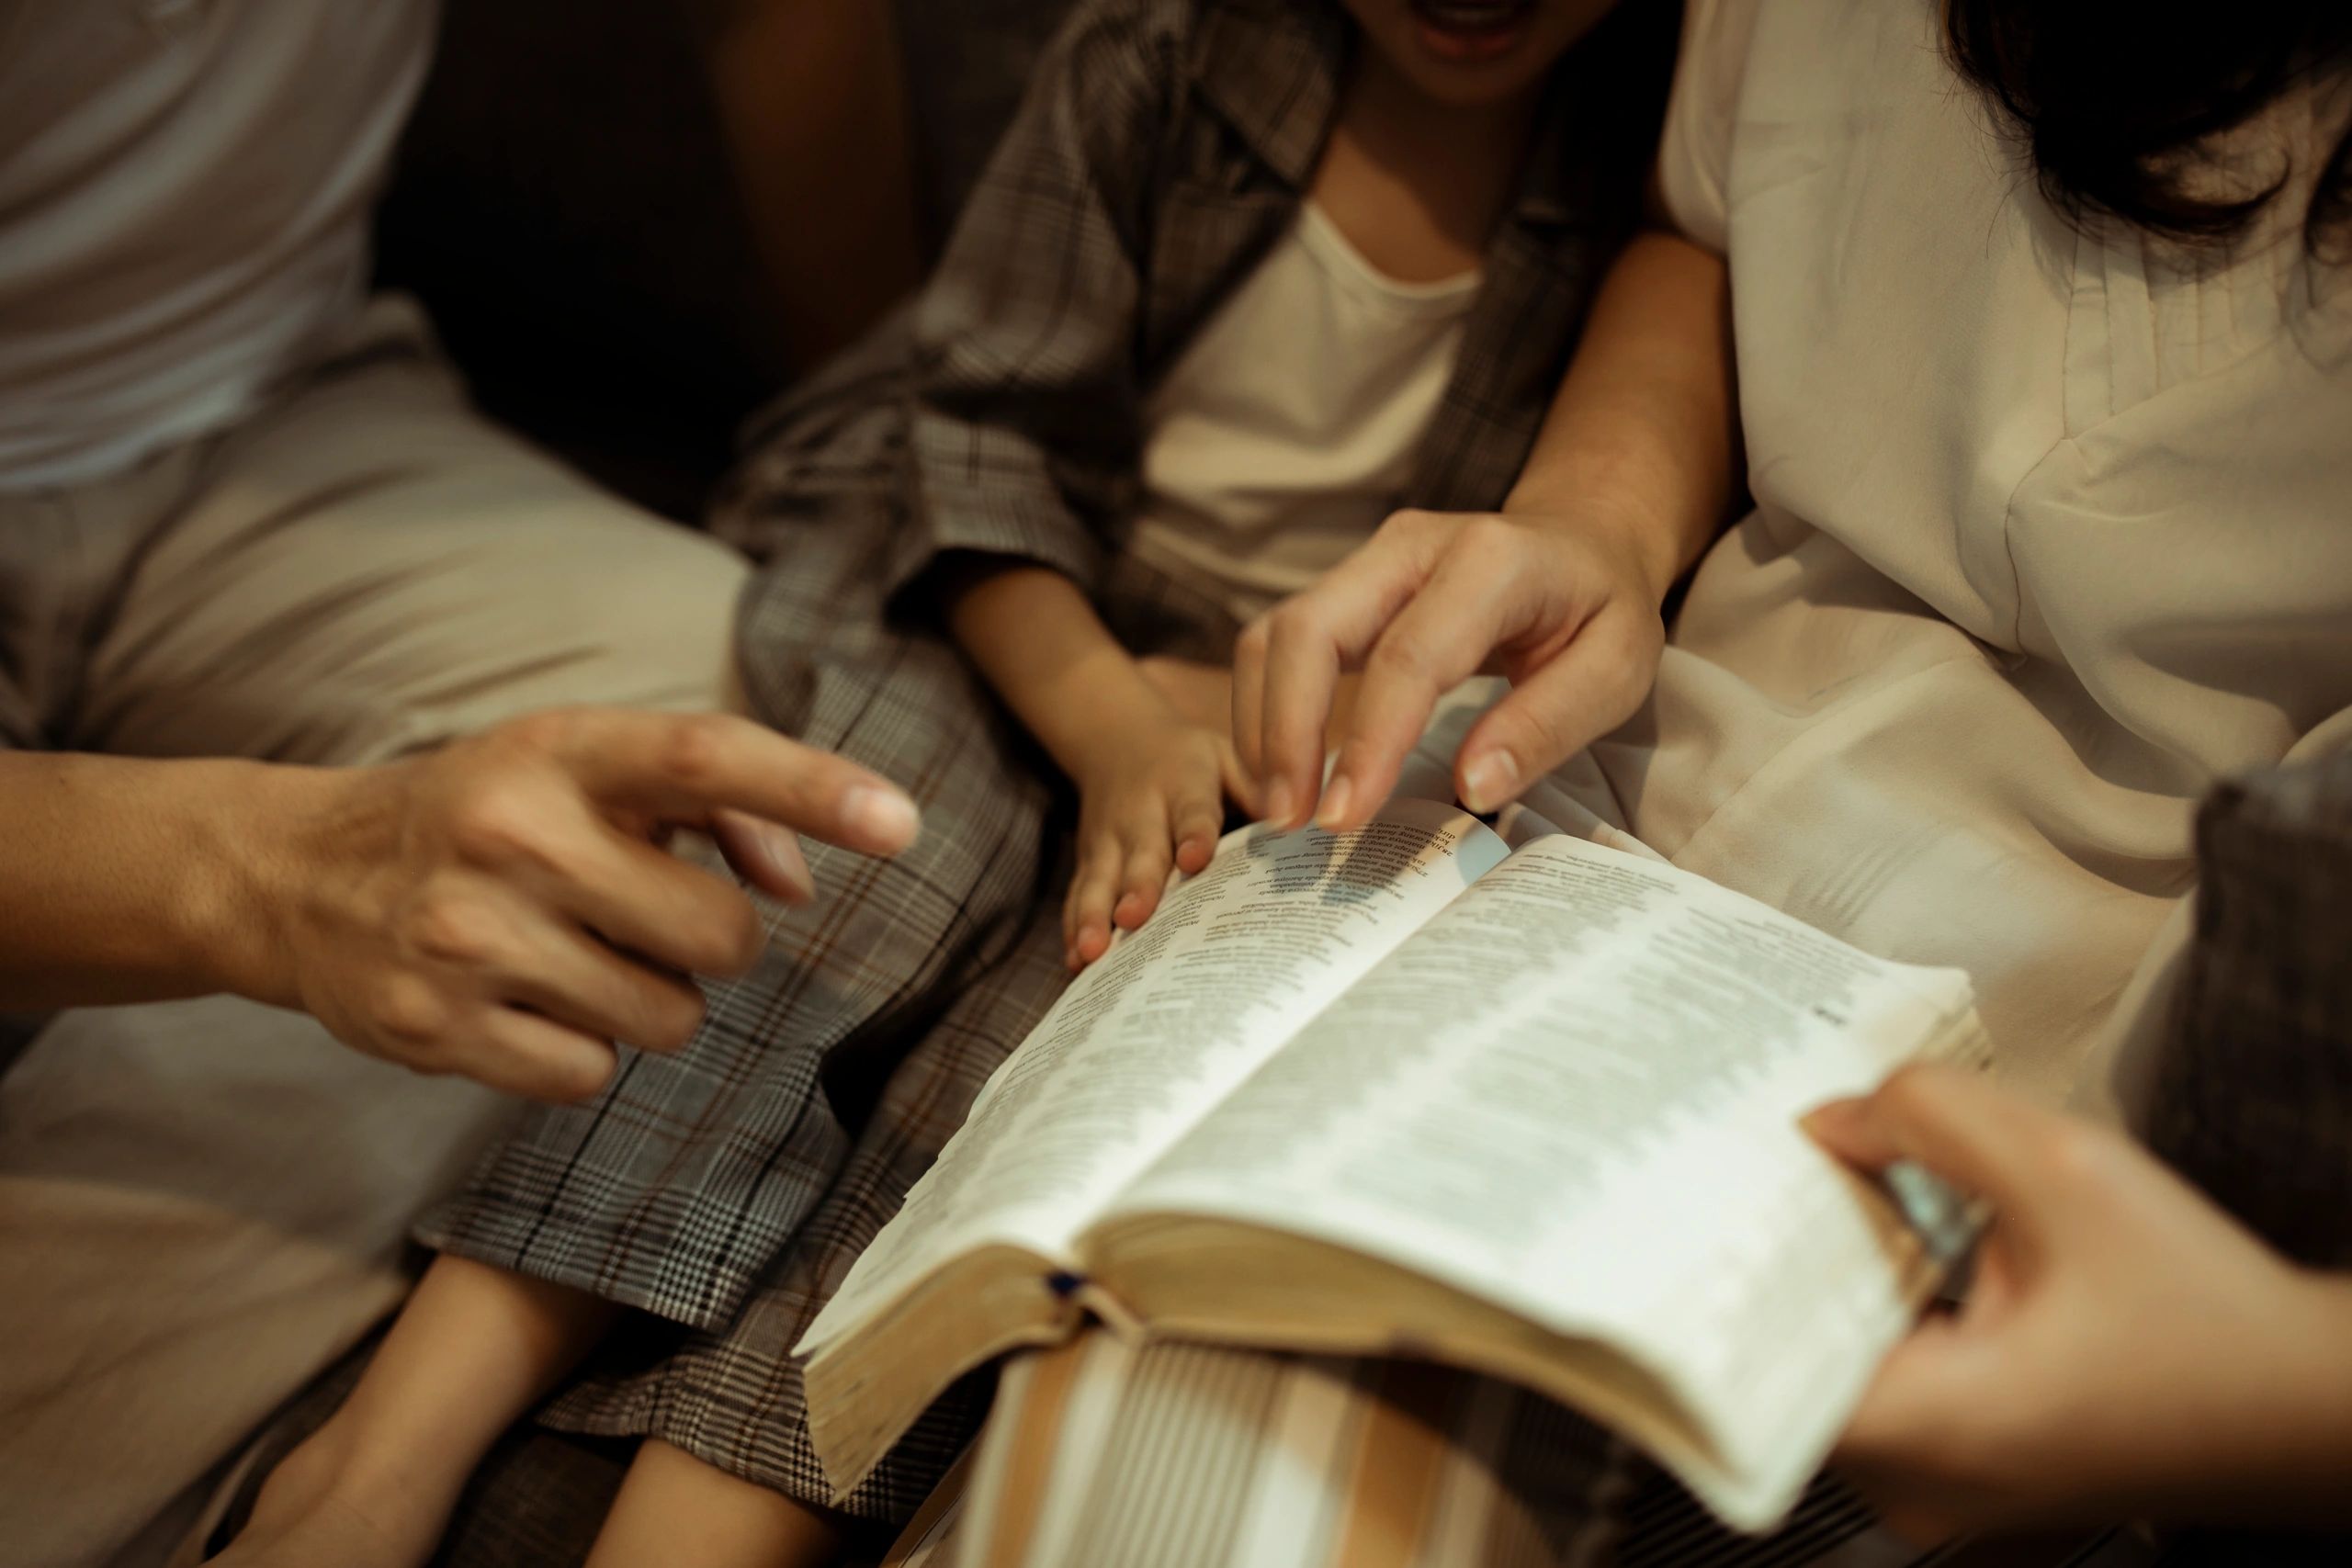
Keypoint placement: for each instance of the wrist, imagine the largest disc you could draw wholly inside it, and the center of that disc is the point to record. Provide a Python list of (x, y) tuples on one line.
[(1622, 526), (1200, 693), (1095, 709), (243, 893)]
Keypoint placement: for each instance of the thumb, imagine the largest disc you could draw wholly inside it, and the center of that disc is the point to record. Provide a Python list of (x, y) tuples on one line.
[(1582, 693), (1957, 1124)]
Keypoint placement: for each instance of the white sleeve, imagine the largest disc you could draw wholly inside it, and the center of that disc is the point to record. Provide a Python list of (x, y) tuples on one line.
[(1694, 158)]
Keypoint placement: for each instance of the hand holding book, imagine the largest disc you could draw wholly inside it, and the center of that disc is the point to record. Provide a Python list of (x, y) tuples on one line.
[(1407, 1090), (2128, 1350)]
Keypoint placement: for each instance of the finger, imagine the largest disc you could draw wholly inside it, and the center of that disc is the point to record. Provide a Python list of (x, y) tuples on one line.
[(765, 856), (1235, 783), (1342, 616), (648, 902), (1958, 1124), (686, 767), (1582, 693), (523, 1054), (1197, 820), (1145, 874), (1099, 874), (576, 980), (1250, 694), (1436, 642), (1302, 660), (1929, 1380)]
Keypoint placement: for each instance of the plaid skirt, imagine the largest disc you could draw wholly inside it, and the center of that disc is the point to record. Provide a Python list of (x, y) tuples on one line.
[(725, 1191)]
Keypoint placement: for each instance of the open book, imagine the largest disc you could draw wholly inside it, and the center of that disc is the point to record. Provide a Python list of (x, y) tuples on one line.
[(1410, 1091)]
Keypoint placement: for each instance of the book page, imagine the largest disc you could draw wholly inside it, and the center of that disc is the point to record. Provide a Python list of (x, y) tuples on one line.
[(1574, 1093), (1140, 1047)]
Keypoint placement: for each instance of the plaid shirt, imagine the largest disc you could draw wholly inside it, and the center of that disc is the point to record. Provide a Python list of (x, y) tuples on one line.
[(2254, 1088), (1163, 148)]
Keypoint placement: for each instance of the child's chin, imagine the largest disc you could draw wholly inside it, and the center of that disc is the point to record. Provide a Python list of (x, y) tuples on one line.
[(1470, 87)]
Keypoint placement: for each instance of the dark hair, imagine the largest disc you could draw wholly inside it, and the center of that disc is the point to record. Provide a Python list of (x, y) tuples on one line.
[(2119, 104)]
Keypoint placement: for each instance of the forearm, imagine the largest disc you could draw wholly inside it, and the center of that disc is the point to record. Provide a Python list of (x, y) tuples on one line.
[(1041, 646), (1646, 426), (130, 880)]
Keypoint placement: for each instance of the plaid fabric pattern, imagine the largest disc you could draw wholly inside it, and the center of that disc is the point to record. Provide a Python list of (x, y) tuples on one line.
[(2254, 1091), (1162, 149)]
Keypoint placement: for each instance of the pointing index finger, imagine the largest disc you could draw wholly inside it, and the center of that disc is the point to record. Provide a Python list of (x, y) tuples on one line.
[(1318, 634), (685, 767), (1434, 643)]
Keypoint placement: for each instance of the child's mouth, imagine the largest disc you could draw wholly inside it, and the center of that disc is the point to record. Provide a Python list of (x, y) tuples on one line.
[(1472, 30)]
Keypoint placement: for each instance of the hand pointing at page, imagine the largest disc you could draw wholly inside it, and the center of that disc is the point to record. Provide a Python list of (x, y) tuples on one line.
[(1630, 477)]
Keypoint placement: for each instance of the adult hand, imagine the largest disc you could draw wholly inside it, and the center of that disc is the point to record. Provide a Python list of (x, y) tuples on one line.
[(502, 908), (1567, 607), (1204, 694), (2126, 1349)]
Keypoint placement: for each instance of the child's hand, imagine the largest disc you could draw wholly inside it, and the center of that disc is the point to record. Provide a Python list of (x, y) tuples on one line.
[(1152, 797)]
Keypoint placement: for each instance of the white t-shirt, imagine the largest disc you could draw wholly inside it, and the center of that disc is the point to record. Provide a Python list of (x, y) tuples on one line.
[(1285, 432), (2049, 531), (185, 190)]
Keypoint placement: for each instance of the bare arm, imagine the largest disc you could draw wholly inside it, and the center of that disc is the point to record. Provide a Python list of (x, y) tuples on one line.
[(130, 880), (1631, 476), (1038, 642), (499, 907), (1148, 778), (1647, 425)]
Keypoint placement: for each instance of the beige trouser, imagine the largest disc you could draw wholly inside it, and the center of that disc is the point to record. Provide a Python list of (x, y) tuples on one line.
[(202, 1203)]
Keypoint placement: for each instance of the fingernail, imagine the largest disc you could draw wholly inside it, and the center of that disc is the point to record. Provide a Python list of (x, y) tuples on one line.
[(1336, 801), (781, 846), (881, 816), (1281, 801), (1489, 781)]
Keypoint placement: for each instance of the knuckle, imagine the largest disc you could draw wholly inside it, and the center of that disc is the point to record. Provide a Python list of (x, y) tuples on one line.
[(410, 1015), (545, 732), (450, 928), (1298, 619), (498, 822), (1400, 657), (1488, 534), (692, 749)]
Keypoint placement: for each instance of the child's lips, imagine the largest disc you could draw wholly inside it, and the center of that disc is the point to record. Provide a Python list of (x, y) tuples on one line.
[(1472, 30)]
